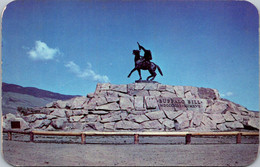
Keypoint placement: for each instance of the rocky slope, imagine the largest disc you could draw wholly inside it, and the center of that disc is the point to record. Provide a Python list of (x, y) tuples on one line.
[(139, 107)]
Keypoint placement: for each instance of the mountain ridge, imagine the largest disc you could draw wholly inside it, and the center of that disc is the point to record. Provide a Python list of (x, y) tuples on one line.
[(33, 91), (14, 96)]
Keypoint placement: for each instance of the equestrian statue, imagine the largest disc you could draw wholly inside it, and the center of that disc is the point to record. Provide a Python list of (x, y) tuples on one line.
[(144, 63)]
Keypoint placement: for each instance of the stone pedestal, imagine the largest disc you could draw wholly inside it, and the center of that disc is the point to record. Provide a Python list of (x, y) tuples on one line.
[(141, 106)]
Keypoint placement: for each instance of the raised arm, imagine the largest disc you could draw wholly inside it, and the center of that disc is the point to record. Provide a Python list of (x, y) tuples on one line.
[(141, 47)]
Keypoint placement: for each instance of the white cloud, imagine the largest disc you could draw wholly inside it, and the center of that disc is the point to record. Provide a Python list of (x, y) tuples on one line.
[(229, 93), (226, 94), (86, 73), (42, 52)]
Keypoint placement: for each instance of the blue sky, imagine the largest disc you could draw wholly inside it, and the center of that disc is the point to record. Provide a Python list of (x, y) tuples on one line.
[(69, 46)]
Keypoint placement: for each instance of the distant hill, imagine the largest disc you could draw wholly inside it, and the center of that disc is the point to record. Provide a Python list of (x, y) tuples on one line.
[(34, 92), (17, 96)]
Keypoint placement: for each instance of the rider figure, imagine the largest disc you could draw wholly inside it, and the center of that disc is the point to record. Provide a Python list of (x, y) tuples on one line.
[(147, 54)]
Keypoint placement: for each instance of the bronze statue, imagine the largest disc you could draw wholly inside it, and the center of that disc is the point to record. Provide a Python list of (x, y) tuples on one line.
[(143, 63)]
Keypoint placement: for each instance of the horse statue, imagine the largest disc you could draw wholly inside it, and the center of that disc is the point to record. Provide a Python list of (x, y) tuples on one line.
[(142, 64)]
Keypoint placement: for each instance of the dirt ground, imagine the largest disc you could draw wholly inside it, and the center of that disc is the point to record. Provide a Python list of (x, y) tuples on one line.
[(151, 152)]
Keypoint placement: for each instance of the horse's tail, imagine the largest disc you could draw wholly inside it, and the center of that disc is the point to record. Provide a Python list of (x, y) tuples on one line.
[(159, 69)]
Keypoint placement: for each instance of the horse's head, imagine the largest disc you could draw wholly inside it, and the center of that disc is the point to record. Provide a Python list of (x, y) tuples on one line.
[(136, 52)]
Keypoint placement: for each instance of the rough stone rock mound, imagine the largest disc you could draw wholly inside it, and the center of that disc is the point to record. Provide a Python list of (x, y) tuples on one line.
[(138, 107)]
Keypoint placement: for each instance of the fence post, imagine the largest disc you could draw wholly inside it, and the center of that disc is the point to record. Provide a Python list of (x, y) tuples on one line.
[(188, 138), (136, 138), (9, 135), (31, 137), (239, 136), (83, 138)]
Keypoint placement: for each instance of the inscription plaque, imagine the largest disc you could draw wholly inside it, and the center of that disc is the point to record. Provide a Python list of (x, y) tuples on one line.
[(176, 103), (15, 125)]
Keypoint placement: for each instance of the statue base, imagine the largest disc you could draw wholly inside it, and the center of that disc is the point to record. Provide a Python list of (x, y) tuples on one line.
[(138, 107), (145, 81)]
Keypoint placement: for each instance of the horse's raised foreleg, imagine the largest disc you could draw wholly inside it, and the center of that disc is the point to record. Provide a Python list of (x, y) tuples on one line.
[(131, 72)]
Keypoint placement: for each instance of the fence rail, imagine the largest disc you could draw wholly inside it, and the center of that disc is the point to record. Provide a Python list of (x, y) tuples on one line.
[(136, 135)]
